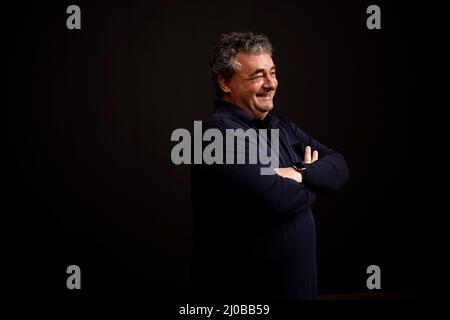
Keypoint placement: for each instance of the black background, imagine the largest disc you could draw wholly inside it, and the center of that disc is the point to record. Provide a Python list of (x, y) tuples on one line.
[(88, 176)]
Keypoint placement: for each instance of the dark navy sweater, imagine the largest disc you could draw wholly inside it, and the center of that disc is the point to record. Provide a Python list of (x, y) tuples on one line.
[(254, 235)]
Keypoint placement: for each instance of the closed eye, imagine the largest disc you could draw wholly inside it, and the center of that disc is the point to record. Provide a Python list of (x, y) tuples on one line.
[(257, 77)]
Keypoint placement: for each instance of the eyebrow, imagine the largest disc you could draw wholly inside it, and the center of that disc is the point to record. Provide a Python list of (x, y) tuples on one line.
[(261, 70)]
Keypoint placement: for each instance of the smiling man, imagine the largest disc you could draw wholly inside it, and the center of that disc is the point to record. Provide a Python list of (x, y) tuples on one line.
[(253, 85), (254, 235)]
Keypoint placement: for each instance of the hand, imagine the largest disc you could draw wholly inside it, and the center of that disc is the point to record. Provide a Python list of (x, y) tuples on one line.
[(293, 174), (308, 158), (290, 173)]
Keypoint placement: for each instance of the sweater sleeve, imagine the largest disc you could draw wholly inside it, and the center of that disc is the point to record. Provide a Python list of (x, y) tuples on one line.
[(329, 172), (278, 196)]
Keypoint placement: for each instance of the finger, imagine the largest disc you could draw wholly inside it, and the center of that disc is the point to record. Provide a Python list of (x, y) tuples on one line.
[(307, 158), (315, 155)]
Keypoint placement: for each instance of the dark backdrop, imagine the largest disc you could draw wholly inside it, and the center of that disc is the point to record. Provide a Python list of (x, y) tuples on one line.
[(88, 178)]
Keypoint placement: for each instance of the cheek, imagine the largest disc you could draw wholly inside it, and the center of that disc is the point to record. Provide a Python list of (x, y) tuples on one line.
[(255, 88), (248, 90)]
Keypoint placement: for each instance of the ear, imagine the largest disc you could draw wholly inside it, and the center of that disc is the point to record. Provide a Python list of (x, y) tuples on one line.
[(223, 83)]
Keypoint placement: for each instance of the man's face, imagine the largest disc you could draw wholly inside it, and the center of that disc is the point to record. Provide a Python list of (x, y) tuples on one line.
[(253, 85)]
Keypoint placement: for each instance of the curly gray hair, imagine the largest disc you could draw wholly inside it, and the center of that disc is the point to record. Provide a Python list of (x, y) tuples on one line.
[(222, 61)]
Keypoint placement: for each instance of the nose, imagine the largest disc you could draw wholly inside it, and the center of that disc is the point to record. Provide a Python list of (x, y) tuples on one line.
[(270, 83)]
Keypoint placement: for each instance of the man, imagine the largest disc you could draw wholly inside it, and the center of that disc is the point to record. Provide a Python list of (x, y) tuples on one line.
[(254, 234)]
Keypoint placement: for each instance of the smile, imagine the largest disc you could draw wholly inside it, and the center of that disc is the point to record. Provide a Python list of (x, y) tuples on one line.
[(266, 96)]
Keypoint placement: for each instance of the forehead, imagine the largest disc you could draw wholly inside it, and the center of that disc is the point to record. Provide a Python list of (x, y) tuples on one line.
[(251, 62)]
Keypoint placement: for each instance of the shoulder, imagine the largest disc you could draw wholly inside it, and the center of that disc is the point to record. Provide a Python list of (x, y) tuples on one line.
[(284, 123), (220, 121)]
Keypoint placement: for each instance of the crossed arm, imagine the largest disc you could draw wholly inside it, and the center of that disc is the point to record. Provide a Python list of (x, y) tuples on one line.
[(326, 173), (284, 193)]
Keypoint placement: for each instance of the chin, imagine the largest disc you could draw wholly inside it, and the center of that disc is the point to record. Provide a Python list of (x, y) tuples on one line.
[(266, 107)]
